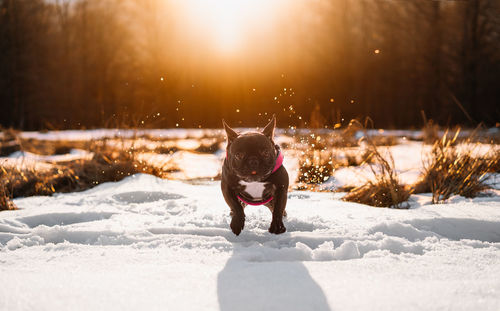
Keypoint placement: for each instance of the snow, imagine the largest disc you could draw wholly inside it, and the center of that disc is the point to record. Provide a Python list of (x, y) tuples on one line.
[(187, 165), (74, 154), (25, 163), (153, 244), (125, 133), (149, 243)]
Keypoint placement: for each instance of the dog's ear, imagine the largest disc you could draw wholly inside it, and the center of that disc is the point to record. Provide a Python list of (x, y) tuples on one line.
[(269, 129), (230, 133)]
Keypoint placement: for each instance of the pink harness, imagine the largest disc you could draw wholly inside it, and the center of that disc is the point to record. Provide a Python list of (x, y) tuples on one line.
[(279, 162)]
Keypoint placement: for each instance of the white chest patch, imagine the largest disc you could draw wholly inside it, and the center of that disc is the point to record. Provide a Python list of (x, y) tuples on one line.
[(254, 189)]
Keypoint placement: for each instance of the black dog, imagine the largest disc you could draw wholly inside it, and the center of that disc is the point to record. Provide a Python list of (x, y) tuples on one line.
[(253, 174)]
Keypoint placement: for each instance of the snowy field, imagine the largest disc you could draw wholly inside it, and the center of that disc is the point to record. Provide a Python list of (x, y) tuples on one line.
[(154, 244)]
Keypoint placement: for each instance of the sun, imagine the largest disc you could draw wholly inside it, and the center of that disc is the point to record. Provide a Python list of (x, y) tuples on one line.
[(226, 24)]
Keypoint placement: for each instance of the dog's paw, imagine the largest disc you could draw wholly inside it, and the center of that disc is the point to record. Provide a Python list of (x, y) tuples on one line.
[(277, 227), (237, 224)]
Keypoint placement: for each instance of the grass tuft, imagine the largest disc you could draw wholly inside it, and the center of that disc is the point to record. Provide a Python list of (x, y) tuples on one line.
[(430, 132), (386, 190), (454, 170), (210, 147), (315, 168), (5, 200)]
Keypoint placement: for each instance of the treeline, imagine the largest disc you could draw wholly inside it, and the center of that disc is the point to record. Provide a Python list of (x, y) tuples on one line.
[(92, 63)]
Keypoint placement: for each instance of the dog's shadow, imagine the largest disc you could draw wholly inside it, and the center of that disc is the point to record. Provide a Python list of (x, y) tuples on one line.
[(269, 285)]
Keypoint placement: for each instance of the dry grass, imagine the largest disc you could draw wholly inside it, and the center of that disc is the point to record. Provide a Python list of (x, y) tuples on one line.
[(385, 190), (323, 140), (107, 164), (430, 132), (8, 142), (325, 152), (450, 170), (5, 200), (495, 163), (207, 135), (355, 158), (315, 167), (9, 147), (113, 159), (340, 138), (52, 147), (384, 140), (8, 134), (210, 147), (11, 142)]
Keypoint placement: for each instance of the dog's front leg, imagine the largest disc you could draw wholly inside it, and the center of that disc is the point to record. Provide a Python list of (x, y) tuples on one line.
[(280, 198), (237, 213)]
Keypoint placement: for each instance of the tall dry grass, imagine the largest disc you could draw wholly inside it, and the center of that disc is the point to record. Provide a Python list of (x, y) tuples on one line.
[(454, 168), (386, 189), (5, 200)]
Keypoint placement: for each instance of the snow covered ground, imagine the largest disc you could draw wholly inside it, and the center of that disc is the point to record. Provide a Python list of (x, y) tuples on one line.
[(152, 244)]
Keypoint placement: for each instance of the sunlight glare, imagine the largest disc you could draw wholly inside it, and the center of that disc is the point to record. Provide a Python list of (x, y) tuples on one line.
[(227, 23)]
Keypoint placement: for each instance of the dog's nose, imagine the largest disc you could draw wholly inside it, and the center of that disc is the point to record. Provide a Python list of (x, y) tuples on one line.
[(253, 162)]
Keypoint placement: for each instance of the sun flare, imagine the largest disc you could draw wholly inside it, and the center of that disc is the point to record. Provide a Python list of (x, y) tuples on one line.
[(227, 24)]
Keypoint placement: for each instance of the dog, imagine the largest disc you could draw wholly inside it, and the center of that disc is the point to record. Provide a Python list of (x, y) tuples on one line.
[(253, 174)]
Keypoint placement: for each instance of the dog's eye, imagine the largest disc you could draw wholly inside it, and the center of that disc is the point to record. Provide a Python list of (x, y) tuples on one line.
[(238, 155), (265, 153)]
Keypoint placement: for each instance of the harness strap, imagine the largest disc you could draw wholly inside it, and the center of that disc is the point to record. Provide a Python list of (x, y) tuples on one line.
[(254, 203), (279, 161)]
